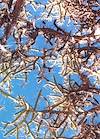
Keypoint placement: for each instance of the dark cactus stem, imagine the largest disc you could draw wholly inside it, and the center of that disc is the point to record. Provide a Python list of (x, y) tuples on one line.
[(14, 15)]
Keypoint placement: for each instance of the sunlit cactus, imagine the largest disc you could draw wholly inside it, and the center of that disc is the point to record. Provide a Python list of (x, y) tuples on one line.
[(70, 31)]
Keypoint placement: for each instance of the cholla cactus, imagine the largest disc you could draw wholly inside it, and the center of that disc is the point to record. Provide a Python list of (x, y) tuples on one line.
[(71, 32)]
